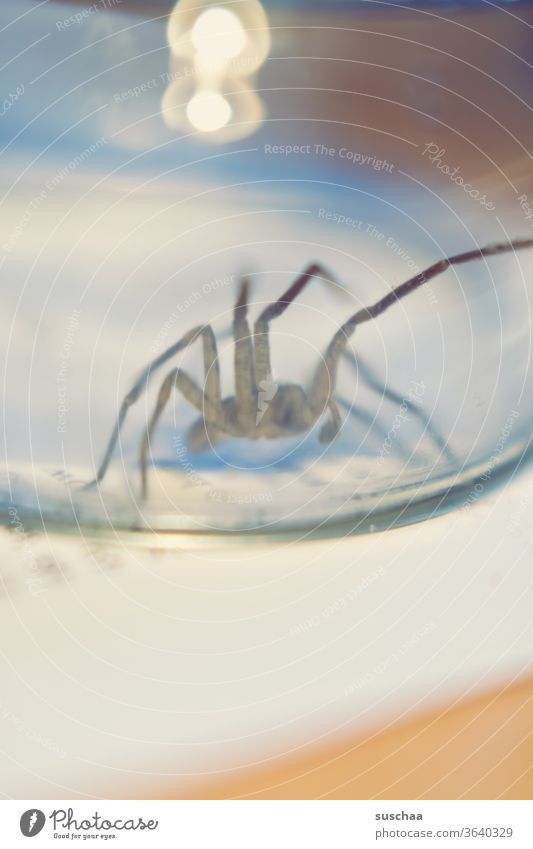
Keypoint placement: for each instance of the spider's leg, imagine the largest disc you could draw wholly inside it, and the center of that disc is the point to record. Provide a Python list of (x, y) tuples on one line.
[(326, 374), (263, 369), (330, 429), (370, 378), (212, 384), (175, 379), (245, 386), (212, 388)]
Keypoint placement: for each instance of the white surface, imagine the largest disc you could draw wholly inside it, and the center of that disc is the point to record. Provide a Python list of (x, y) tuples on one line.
[(125, 670)]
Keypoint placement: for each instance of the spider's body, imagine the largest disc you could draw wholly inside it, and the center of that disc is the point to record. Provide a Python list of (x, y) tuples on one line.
[(287, 414), (259, 407)]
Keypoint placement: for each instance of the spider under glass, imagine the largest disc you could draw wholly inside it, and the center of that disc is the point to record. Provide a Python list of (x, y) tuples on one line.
[(260, 408), (220, 223)]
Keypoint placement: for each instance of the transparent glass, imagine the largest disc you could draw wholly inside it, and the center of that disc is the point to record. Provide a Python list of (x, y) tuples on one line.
[(146, 166)]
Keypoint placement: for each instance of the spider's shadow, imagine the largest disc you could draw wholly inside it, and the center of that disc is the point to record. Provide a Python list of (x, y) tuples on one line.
[(282, 454)]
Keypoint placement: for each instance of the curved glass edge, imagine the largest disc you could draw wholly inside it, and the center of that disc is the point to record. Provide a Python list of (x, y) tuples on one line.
[(411, 506)]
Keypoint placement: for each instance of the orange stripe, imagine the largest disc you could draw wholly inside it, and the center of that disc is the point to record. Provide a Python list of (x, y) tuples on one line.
[(480, 748)]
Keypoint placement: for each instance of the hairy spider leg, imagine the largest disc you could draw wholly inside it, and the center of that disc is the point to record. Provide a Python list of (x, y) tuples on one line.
[(175, 379), (370, 378), (331, 428), (212, 376), (210, 408), (263, 368), (326, 373), (245, 385)]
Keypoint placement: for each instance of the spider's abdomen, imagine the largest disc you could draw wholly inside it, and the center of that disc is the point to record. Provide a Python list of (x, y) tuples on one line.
[(288, 412)]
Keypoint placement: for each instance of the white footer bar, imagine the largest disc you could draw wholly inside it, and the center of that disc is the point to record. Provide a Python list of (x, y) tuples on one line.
[(268, 824)]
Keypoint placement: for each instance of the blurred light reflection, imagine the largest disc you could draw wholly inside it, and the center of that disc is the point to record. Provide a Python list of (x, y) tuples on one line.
[(223, 48)]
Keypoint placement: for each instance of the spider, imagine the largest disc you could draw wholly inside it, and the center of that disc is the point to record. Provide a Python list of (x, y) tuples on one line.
[(291, 409)]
